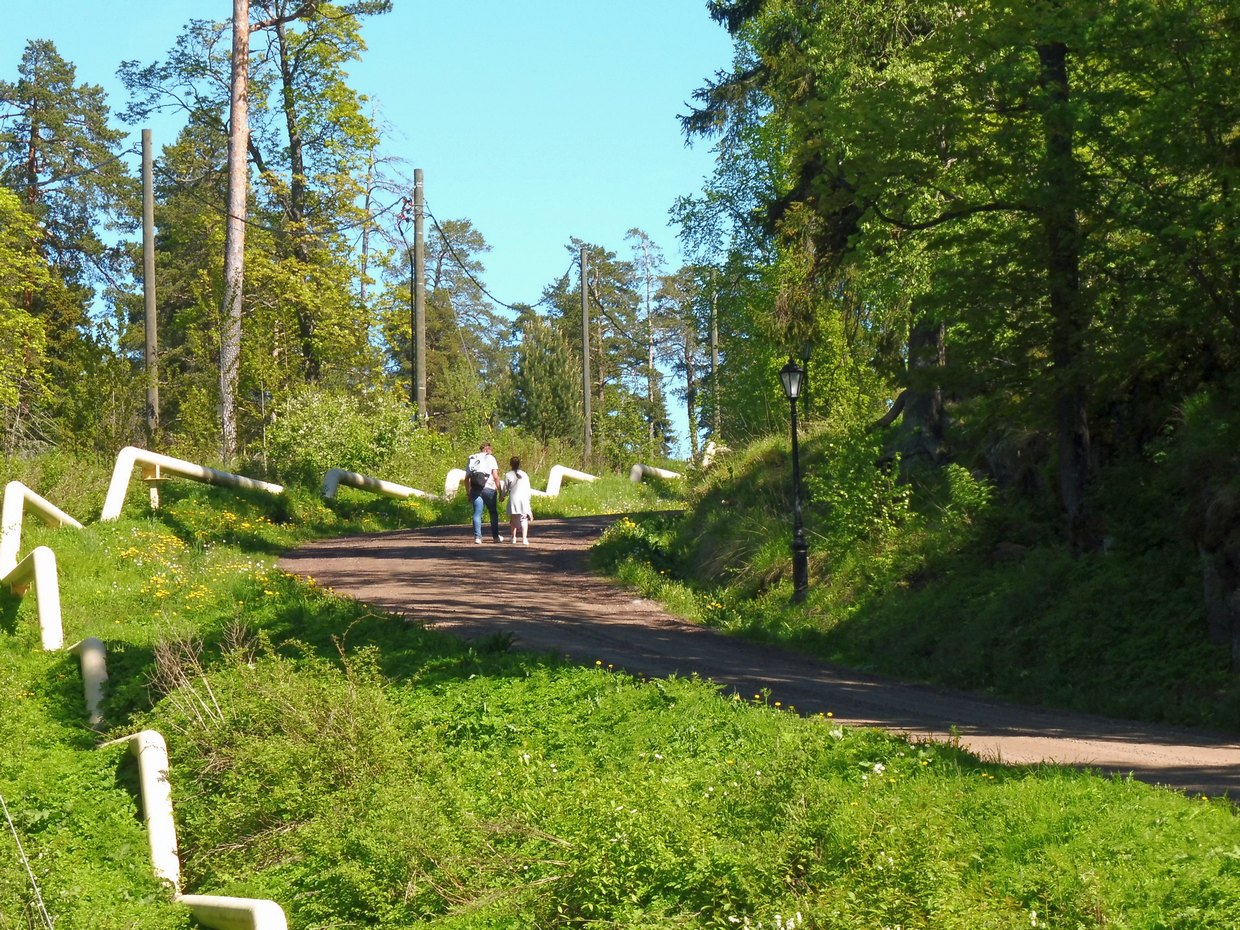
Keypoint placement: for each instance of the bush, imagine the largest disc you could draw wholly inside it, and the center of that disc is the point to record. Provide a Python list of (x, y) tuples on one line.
[(319, 430)]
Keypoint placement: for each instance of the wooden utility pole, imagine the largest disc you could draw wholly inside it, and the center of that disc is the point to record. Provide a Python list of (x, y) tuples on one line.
[(148, 291), (419, 298), (587, 449), (714, 358)]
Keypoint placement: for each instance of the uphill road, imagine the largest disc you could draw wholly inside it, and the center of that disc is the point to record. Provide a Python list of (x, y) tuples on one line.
[(545, 597)]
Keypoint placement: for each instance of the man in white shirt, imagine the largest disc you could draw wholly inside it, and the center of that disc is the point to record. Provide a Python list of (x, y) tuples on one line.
[(482, 485)]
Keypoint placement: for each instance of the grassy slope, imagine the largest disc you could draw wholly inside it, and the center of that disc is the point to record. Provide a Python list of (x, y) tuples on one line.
[(365, 772), (952, 585)]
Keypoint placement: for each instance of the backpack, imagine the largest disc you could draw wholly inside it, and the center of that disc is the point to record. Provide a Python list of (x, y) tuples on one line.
[(477, 479)]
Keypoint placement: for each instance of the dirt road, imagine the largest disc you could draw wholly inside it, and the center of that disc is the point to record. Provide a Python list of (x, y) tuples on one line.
[(544, 596)]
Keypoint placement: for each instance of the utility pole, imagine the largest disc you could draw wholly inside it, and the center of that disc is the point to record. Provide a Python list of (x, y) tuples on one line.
[(419, 299), (714, 357), (587, 452), (148, 290)]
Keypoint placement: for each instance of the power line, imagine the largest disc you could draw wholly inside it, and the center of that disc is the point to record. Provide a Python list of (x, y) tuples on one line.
[(444, 238), (187, 186), (620, 329), (59, 179)]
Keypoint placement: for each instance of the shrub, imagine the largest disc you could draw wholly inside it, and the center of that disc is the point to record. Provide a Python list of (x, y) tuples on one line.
[(318, 430)]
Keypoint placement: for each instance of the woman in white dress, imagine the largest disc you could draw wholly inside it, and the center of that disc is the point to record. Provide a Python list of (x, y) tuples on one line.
[(517, 487)]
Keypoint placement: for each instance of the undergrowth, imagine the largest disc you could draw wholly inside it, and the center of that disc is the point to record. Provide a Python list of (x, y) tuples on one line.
[(363, 771), (945, 580)]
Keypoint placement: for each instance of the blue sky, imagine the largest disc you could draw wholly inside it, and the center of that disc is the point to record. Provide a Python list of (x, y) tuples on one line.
[(537, 120)]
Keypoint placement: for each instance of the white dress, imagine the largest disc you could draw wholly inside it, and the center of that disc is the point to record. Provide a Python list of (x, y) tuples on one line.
[(517, 487)]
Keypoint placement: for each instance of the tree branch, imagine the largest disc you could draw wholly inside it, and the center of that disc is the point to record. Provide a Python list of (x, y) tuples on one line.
[(950, 215), (893, 414), (306, 9)]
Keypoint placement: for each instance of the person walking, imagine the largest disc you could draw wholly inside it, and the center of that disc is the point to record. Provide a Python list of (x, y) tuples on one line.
[(482, 483), (517, 486)]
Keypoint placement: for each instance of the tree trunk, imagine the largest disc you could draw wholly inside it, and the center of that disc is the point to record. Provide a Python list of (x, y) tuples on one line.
[(295, 205), (234, 233), (922, 430), (691, 391), (32, 198), (1069, 316)]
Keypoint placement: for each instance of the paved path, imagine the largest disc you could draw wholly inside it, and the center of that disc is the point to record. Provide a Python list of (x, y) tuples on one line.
[(546, 599)]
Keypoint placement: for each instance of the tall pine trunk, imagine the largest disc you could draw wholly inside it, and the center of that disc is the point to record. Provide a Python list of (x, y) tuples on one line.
[(234, 230), (691, 388), (295, 204)]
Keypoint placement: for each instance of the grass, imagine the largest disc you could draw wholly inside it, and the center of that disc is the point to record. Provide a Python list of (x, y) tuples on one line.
[(949, 583), (365, 772)]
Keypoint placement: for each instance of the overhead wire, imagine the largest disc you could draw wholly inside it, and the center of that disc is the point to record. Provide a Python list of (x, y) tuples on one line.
[(188, 186), (460, 263), (61, 178), (620, 329)]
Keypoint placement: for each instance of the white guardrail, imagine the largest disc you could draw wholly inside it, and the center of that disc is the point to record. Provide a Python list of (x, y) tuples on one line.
[(92, 656), (38, 569), (338, 476), (557, 476), (219, 912), (639, 471), (17, 498), (451, 483), (156, 466)]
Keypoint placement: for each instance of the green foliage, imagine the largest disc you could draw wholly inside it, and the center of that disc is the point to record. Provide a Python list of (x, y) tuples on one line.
[(546, 384), (954, 582), (364, 771), (881, 166), (854, 498), (886, 166), (22, 337), (317, 430)]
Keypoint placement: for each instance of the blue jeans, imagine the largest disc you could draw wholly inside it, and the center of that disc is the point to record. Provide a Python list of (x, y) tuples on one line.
[(485, 497)]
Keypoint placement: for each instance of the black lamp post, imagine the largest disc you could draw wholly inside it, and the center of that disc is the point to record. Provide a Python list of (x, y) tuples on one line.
[(791, 376)]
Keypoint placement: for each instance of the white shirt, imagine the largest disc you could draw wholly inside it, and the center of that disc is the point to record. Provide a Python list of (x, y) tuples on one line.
[(484, 461)]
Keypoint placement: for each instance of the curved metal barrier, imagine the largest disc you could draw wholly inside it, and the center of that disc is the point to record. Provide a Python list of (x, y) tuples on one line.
[(557, 476), (156, 787), (554, 479), (338, 476), (225, 913), (709, 453), (154, 468), (452, 480), (17, 499), (639, 471), (219, 912), (38, 570), (92, 656)]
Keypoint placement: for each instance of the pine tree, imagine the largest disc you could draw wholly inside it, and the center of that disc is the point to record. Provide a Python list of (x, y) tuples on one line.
[(62, 159)]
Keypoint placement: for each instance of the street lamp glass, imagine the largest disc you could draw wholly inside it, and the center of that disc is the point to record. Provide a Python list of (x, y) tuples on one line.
[(790, 377)]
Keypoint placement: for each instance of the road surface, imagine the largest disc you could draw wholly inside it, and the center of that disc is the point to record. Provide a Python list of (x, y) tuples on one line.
[(545, 597)]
